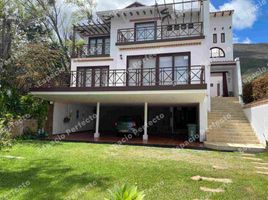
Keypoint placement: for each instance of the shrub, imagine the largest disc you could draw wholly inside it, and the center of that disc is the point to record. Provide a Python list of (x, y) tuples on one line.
[(256, 90), (5, 137), (125, 192)]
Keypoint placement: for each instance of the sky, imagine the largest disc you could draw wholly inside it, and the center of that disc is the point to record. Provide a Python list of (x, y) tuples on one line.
[(250, 20)]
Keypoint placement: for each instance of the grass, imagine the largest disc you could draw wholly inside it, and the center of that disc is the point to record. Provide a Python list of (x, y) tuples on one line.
[(86, 171)]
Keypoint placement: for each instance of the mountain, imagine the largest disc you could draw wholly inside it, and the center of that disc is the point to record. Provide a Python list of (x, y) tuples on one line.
[(253, 57)]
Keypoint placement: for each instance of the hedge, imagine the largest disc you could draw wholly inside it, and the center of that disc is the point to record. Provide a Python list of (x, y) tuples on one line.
[(256, 90)]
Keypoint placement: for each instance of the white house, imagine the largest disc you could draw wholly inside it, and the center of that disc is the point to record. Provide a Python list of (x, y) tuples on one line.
[(172, 59)]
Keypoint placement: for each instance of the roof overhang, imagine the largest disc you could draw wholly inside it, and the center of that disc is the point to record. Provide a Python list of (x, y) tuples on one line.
[(125, 97), (223, 63), (222, 13)]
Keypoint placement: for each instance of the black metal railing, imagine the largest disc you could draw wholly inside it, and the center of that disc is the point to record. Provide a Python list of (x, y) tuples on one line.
[(85, 51), (105, 77), (155, 33)]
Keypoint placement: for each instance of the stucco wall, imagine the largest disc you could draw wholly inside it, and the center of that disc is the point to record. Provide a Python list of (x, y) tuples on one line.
[(63, 110), (218, 25), (257, 116)]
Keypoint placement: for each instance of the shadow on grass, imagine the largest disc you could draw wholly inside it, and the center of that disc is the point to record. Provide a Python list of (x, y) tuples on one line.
[(48, 179)]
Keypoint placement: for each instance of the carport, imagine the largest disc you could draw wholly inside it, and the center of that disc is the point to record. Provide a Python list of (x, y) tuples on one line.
[(180, 107)]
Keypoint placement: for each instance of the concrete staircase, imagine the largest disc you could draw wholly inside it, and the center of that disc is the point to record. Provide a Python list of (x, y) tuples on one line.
[(228, 127)]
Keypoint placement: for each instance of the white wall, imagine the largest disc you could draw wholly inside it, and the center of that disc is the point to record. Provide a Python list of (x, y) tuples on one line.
[(258, 118), (63, 110), (222, 24)]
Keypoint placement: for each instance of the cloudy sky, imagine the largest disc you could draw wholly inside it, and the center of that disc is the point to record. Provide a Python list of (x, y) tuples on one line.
[(250, 18)]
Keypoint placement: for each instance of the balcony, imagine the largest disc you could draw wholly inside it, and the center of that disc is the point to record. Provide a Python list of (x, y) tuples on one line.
[(160, 33), (85, 51), (104, 79)]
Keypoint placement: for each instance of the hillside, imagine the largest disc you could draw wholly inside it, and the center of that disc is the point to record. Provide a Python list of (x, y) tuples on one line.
[(252, 56)]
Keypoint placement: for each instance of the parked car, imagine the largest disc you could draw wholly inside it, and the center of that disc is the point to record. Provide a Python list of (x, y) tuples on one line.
[(128, 125)]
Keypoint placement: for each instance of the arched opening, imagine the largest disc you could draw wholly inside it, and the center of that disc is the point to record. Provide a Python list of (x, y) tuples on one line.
[(217, 52)]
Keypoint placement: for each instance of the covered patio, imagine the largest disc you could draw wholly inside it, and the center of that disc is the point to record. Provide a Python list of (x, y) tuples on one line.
[(107, 138)]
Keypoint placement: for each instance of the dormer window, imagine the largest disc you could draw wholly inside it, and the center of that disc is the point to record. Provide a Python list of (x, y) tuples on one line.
[(217, 52)]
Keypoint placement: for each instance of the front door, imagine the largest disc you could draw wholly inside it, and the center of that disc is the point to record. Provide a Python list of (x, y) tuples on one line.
[(216, 85)]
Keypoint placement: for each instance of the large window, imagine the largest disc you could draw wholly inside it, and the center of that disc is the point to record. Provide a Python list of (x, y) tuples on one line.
[(162, 69), (173, 69), (145, 31), (142, 70), (92, 76), (217, 52), (99, 46)]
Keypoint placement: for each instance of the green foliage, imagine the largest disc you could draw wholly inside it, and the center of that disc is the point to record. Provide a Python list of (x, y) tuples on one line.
[(5, 137), (14, 106), (256, 90), (125, 192)]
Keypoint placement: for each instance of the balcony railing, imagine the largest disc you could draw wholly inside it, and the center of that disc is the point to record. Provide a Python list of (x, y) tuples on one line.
[(157, 33), (85, 51), (105, 78)]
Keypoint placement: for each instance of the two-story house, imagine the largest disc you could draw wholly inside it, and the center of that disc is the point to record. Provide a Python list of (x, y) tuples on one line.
[(174, 60)]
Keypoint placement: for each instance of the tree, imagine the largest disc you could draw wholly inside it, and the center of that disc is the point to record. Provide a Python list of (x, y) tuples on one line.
[(58, 16)]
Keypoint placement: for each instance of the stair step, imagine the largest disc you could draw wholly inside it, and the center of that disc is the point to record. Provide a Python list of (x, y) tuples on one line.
[(252, 148), (235, 129)]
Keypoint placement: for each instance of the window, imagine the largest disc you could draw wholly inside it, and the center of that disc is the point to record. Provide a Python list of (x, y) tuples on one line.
[(216, 52), (141, 68), (99, 46), (145, 31), (215, 38), (223, 38), (173, 69)]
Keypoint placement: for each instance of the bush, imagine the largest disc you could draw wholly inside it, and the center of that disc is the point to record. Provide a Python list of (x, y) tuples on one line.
[(5, 137), (125, 192), (256, 90)]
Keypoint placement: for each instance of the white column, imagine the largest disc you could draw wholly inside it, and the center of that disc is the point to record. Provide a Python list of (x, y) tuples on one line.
[(97, 134), (145, 136), (203, 120)]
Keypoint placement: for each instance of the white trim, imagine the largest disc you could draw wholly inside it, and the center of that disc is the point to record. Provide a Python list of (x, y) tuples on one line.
[(121, 92)]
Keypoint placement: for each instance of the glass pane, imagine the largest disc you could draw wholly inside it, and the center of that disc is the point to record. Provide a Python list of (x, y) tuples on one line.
[(149, 70), (107, 46), (80, 77), (134, 71), (145, 31), (99, 47), (88, 77), (181, 69), (165, 70), (92, 50)]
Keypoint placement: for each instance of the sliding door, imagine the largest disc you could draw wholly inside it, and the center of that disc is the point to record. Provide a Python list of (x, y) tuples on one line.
[(181, 69), (92, 76)]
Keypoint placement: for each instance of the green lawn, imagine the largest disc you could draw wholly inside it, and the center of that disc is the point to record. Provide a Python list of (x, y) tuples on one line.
[(86, 171)]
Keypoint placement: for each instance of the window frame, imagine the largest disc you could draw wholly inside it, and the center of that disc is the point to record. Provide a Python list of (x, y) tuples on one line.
[(220, 50), (215, 38), (95, 39), (154, 25), (223, 38)]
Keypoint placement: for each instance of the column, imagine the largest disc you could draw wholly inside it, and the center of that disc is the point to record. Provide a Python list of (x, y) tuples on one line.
[(145, 136), (97, 134)]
